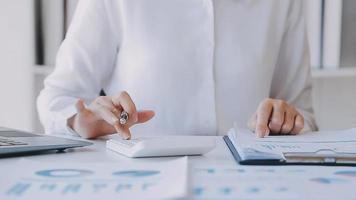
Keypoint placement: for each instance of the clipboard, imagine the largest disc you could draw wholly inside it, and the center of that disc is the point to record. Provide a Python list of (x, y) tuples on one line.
[(324, 157)]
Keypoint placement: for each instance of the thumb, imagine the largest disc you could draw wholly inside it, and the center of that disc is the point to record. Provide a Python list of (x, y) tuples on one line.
[(80, 106), (145, 115)]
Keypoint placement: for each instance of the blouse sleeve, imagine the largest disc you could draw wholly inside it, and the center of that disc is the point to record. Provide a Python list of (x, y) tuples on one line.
[(292, 77), (84, 63)]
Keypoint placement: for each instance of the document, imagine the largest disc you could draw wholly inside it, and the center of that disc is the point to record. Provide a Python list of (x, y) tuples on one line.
[(277, 183), (89, 181), (322, 142)]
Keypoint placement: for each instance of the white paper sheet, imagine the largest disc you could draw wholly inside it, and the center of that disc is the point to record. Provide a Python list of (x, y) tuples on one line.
[(336, 141), (106, 181), (287, 182)]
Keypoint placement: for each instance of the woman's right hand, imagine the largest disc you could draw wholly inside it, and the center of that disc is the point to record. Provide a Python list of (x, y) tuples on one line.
[(101, 117)]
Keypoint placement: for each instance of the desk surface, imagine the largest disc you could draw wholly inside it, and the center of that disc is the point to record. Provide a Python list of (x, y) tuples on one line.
[(307, 184), (99, 153)]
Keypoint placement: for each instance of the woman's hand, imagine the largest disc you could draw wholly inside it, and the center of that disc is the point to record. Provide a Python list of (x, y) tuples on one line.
[(101, 117), (276, 117)]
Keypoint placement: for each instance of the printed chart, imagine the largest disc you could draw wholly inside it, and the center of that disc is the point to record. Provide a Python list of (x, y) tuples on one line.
[(265, 182), (95, 181)]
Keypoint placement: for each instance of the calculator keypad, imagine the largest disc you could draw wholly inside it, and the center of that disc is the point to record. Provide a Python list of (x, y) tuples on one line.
[(128, 143)]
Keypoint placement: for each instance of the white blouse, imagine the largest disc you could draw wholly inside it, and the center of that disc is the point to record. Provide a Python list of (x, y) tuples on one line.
[(201, 65)]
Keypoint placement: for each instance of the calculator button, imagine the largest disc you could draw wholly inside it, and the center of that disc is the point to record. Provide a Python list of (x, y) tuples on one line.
[(127, 143)]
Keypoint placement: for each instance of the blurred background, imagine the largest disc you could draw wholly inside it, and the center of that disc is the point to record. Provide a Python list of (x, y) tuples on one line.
[(32, 30)]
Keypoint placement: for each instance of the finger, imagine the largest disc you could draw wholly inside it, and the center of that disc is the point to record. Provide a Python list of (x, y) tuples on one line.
[(252, 122), (144, 116), (298, 124), (106, 101), (263, 115), (106, 115), (123, 131), (124, 100), (109, 117), (277, 119), (288, 124), (80, 106), (126, 131)]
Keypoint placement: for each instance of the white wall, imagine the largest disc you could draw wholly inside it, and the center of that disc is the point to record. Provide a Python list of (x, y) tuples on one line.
[(335, 102), (16, 63)]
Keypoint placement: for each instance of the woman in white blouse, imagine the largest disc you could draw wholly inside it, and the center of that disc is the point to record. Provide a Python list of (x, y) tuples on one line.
[(198, 66)]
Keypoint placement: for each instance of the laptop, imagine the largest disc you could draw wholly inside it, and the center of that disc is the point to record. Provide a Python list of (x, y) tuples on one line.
[(14, 142)]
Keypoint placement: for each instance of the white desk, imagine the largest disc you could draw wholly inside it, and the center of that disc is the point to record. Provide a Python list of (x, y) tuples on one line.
[(99, 153), (219, 156)]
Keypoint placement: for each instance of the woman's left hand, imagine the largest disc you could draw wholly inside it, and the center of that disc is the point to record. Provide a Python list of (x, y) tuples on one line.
[(276, 117)]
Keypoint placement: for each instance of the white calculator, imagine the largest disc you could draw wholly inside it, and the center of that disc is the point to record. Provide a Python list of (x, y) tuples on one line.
[(162, 146)]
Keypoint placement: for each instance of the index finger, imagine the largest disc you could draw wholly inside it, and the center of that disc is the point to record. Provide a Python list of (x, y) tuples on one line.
[(263, 114), (109, 117), (124, 100)]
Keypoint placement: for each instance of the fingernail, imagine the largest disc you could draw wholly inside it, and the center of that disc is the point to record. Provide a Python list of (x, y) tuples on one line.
[(267, 132), (123, 135), (259, 133)]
